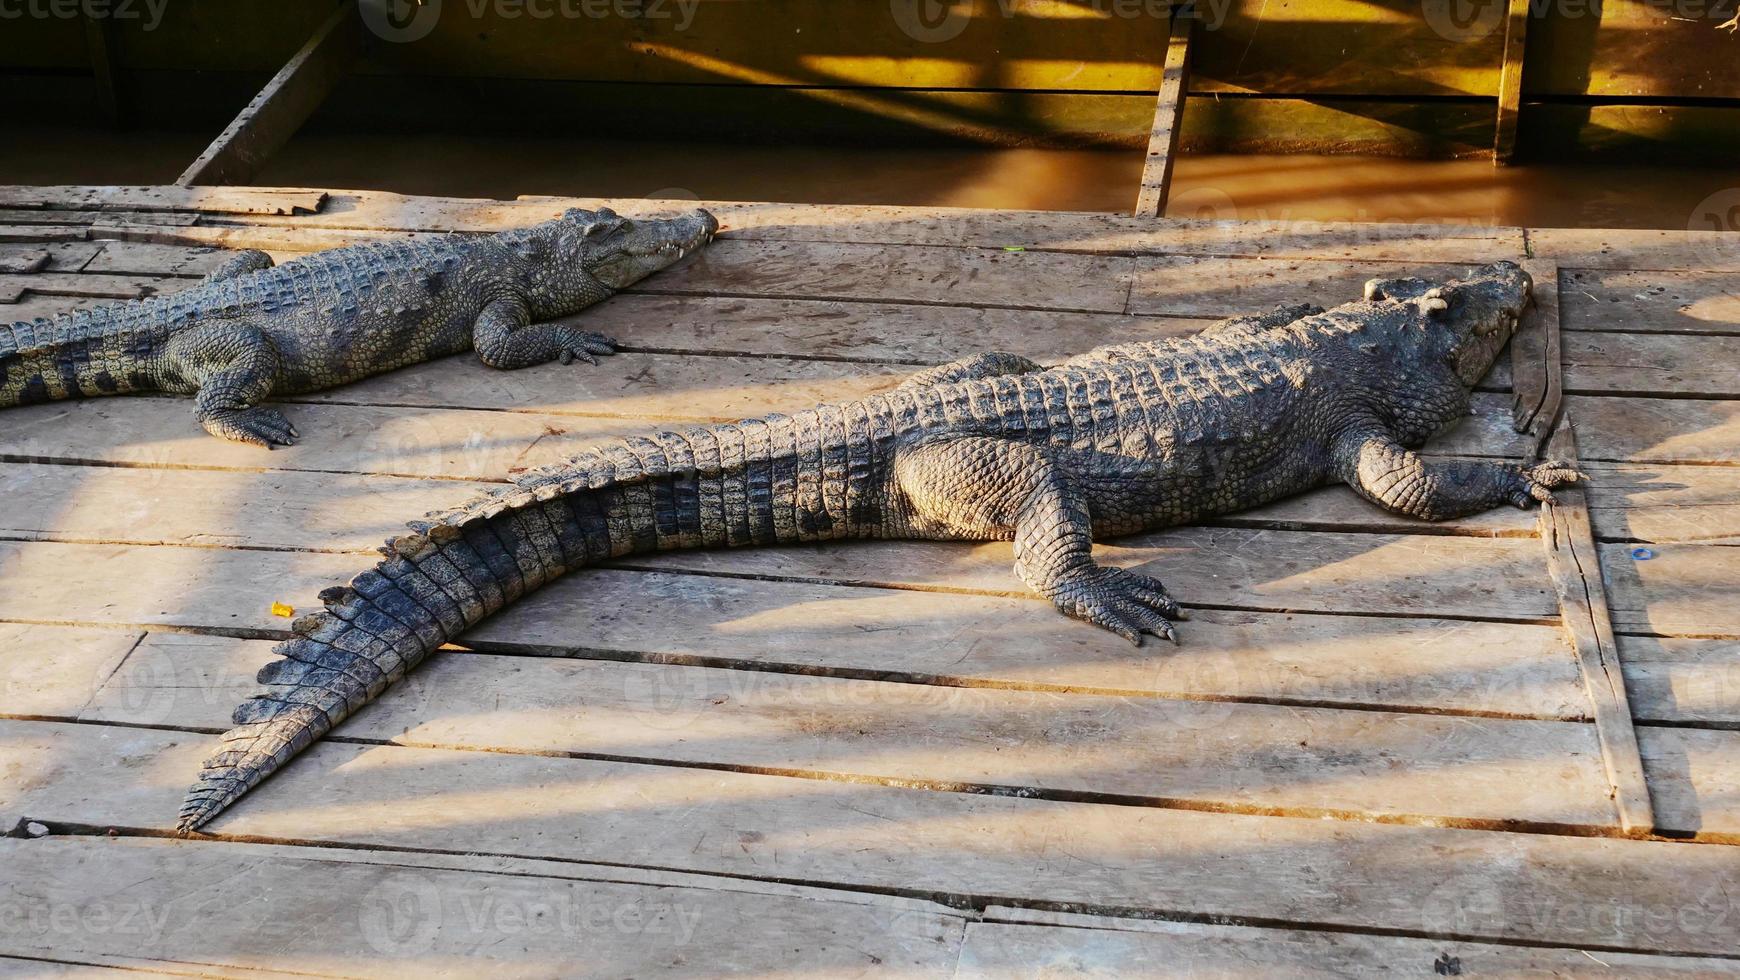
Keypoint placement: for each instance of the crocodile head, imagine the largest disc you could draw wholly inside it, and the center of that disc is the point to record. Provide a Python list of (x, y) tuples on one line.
[(619, 252), (1467, 320)]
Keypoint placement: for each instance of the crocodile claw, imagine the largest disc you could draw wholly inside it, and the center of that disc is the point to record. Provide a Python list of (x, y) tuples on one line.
[(257, 426), (1536, 483), (1127, 603), (584, 345)]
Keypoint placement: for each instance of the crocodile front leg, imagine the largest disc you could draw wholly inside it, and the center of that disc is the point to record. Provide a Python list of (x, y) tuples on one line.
[(1398, 479), (506, 337), (980, 487), (231, 367)]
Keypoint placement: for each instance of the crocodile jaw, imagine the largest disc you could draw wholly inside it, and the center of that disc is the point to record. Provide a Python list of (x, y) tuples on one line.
[(645, 246)]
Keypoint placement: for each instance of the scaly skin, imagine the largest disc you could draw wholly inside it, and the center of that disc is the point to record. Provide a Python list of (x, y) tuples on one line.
[(992, 447), (252, 330)]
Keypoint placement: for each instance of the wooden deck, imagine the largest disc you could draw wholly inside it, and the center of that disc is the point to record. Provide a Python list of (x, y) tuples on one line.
[(1384, 748)]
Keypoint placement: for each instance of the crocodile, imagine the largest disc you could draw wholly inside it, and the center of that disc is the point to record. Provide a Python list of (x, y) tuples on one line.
[(1122, 439), (251, 329)]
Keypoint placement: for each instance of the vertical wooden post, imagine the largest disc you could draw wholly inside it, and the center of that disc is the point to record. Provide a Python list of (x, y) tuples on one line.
[(1516, 26), (100, 46), (283, 105), (1168, 113)]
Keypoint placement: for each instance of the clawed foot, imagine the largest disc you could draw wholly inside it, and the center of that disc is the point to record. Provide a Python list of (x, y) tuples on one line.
[(1536, 483), (583, 344), (259, 426), (1127, 603)]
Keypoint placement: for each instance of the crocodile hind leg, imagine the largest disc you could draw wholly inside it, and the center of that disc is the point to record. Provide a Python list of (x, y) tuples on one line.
[(231, 367), (980, 487), (506, 337), (240, 264)]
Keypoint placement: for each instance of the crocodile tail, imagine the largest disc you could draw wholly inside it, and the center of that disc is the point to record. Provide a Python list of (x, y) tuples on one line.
[(710, 486), (81, 354)]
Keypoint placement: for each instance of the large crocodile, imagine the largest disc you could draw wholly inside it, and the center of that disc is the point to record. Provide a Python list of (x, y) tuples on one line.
[(992, 447), (252, 330)]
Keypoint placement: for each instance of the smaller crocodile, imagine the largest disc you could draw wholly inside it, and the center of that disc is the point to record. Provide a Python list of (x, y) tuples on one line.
[(252, 330)]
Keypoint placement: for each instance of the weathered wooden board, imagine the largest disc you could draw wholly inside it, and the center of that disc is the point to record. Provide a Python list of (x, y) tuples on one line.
[(1574, 566), (50, 216), (1664, 503), (1694, 776), (1424, 575), (462, 444), (921, 273), (1418, 664), (1029, 942), (1681, 681), (223, 200), (1180, 285), (257, 905), (1655, 896), (1664, 365), (53, 671), (1657, 430), (96, 287), (1650, 302), (1637, 249), (66, 257), (41, 969), (1681, 589), (353, 512), (144, 258), (41, 233), (1246, 757)]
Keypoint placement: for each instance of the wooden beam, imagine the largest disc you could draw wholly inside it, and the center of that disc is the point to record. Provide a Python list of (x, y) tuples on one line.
[(1168, 113), (1510, 81), (1537, 379), (1575, 568), (100, 44), (283, 105)]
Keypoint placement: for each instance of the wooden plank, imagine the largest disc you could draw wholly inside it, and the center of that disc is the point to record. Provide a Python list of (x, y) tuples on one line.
[(53, 671), (1576, 572), (921, 273), (1180, 285), (1637, 249), (66, 257), (1660, 365), (1680, 589), (217, 200), (384, 918), (1664, 504), (42, 233), (1652, 896), (1168, 109), (354, 512), (1694, 776), (1683, 681), (1657, 430), (1360, 765), (34, 260), (29, 307), (1030, 942), (96, 287), (1421, 664), (368, 214), (1665, 302), (1510, 76), (1537, 382), (135, 258), (274, 115), (49, 216), (1383, 574)]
